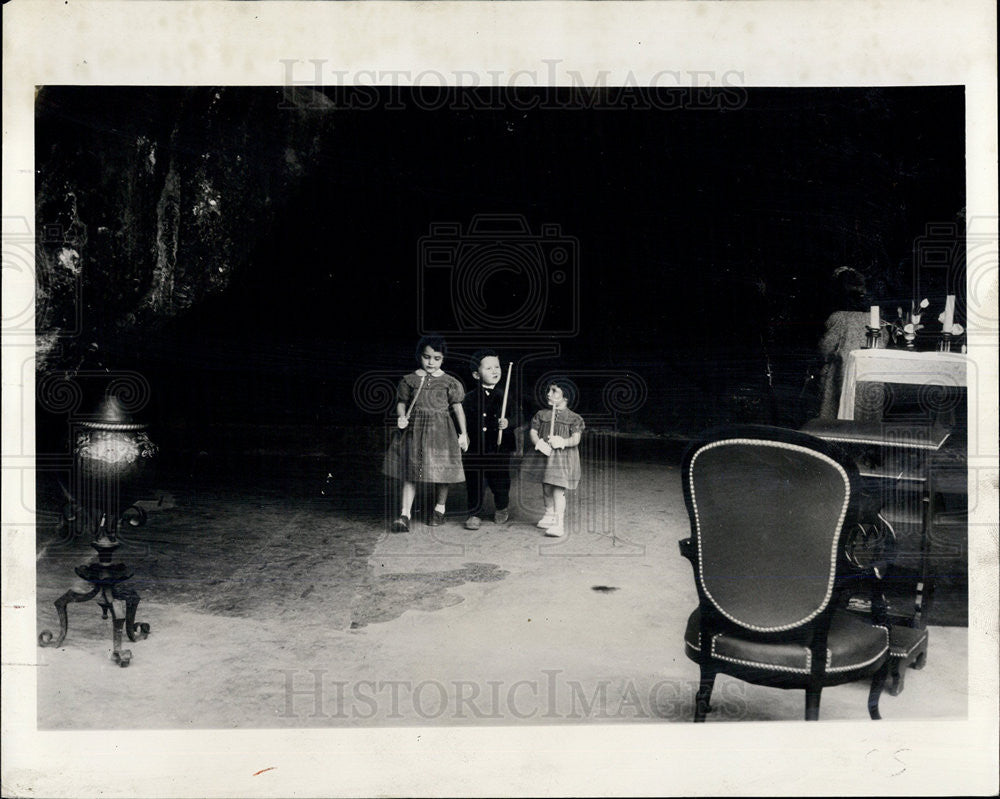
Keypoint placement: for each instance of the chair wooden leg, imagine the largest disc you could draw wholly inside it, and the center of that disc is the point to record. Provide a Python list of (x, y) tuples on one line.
[(897, 670), (704, 696), (878, 681), (812, 702)]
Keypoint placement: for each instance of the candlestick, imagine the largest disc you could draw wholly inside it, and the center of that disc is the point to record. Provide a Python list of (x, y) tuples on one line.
[(873, 316), (949, 313)]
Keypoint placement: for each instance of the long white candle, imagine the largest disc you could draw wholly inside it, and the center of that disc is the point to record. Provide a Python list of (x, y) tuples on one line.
[(503, 407), (873, 316), (949, 313)]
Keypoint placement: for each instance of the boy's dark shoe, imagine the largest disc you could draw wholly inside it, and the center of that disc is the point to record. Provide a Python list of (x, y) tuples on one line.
[(501, 516), (473, 522), (437, 519), (401, 525)]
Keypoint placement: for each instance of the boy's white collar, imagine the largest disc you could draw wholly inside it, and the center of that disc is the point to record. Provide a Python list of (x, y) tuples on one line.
[(423, 372)]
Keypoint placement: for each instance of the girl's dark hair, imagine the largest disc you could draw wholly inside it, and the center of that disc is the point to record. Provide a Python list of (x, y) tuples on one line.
[(478, 355), (566, 386), (434, 341)]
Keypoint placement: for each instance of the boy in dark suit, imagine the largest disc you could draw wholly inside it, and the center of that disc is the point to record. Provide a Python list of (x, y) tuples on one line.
[(486, 463)]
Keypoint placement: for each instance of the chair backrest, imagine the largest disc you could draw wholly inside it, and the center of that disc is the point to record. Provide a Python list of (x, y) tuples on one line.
[(767, 508)]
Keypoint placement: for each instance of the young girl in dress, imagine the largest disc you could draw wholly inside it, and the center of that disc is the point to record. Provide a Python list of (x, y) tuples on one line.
[(426, 450), (555, 434)]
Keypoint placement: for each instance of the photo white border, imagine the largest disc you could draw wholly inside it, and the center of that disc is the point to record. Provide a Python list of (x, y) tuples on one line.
[(770, 43)]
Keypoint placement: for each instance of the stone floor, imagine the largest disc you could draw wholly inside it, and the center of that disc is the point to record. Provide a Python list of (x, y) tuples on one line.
[(283, 603)]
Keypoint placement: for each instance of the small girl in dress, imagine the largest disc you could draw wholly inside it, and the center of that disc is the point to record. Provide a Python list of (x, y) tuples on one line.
[(555, 463), (427, 450)]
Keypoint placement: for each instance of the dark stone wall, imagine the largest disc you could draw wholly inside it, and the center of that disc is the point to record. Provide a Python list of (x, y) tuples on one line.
[(251, 256), (150, 200)]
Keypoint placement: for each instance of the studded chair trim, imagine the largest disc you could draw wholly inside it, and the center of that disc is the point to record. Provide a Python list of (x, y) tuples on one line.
[(900, 650), (797, 651), (834, 538)]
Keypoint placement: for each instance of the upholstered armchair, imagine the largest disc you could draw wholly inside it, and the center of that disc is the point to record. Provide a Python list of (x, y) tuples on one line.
[(769, 508)]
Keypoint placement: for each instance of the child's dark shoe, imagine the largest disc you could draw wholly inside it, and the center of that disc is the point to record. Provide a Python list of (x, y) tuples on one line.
[(473, 522), (401, 525), (501, 516), (437, 519)]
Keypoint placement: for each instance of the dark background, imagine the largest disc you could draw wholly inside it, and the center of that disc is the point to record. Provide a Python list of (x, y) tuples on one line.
[(251, 253)]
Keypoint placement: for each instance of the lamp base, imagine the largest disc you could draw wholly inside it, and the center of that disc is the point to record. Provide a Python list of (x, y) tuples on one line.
[(105, 579)]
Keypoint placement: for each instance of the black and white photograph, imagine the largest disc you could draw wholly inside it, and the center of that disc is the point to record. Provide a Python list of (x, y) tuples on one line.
[(501, 418)]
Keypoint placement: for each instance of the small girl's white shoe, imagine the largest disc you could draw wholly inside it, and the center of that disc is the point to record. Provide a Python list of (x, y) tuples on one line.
[(547, 521), (556, 530)]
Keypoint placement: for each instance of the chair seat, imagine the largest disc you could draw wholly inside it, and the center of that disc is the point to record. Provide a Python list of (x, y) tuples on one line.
[(852, 644)]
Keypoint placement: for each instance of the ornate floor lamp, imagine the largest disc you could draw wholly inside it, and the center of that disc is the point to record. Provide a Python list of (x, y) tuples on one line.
[(111, 455)]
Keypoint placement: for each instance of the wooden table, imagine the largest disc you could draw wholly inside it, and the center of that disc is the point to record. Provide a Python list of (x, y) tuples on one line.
[(899, 366)]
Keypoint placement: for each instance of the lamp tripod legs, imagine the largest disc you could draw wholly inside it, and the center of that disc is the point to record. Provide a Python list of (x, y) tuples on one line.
[(136, 631), (121, 656), (45, 637)]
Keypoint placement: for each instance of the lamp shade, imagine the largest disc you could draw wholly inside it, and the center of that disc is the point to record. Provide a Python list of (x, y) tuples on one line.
[(113, 456)]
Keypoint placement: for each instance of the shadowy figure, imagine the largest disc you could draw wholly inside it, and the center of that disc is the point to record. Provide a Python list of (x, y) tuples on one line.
[(845, 331)]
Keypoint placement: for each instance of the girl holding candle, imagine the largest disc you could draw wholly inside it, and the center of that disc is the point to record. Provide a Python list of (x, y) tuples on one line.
[(426, 450), (555, 433)]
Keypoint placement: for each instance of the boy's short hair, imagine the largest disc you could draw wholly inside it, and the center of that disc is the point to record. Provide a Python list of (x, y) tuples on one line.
[(479, 355), (433, 340)]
